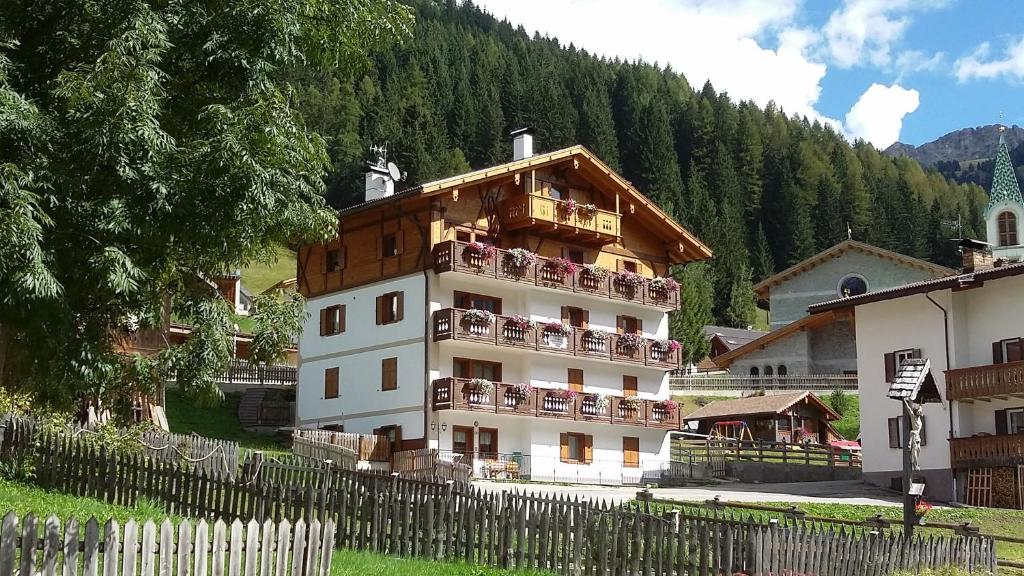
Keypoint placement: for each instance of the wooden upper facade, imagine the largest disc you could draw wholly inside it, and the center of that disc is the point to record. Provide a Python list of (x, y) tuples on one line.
[(564, 204)]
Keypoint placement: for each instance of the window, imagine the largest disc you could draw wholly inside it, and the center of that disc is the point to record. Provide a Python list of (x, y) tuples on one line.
[(782, 371), (467, 300), (390, 307), (896, 431), (575, 317), (852, 285), (463, 236), (627, 266), (469, 368), (629, 325), (1007, 223), (629, 386), (1009, 350), (331, 378), (389, 374), (334, 260), (389, 245), (462, 440), (892, 361), (488, 442), (630, 452), (1010, 421), (577, 448), (332, 320), (574, 255), (575, 379), (755, 372), (768, 372)]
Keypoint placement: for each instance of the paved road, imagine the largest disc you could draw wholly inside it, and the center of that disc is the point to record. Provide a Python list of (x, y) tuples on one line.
[(840, 492)]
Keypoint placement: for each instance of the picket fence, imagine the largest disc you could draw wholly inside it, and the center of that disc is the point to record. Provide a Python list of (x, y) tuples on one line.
[(340, 455), (218, 458), (453, 521), (266, 549)]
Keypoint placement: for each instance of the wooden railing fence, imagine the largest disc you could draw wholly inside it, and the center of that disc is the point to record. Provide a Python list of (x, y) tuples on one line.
[(217, 458), (28, 547), (341, 456), (373, 448), (767, 451), (428, 464), (814, 382)]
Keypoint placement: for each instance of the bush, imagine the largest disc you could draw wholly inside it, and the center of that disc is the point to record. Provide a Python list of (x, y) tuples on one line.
[(840, 401)]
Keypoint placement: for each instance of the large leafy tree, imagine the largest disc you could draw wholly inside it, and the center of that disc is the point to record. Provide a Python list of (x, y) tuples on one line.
[(145, 147)]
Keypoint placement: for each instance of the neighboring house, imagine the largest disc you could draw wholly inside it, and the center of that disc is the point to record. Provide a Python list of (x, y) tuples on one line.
[(969, 328), (1005, 211), (724, 339), (459, 315), (823, 344), (792, 417)]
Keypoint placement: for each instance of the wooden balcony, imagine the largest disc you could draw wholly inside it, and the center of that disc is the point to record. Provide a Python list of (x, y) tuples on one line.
[(459, 394), (999, 381), (452, 256), (450, 324), (554, 217), (987, 451)]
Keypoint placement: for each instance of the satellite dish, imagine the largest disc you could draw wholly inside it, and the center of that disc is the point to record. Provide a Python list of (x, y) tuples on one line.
[(395, 173)]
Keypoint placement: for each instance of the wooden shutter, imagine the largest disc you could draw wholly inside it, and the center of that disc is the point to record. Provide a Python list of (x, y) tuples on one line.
[(380, 310), (323, 321), (331, 383), (586, 318), (400, 242), (997, 352), (1001, 426), (576, 379), (619, 324), (380, 247), (389, 374), (565, 314), (563, 440), (894, 432), (890, 367), (620, 265), (630, 452), (588, 449), (399, 306), (639, 326), (341, 318), (629, 386)]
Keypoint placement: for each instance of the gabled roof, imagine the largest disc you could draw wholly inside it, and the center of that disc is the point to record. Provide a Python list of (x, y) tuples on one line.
[(967, 280), (914, 381), (770, 404), (732, 338), (762, 288), (805, 323), (692, 247), (1004, 180)]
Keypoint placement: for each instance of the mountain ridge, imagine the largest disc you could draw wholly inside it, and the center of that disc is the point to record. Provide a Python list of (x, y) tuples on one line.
[(966, 144)]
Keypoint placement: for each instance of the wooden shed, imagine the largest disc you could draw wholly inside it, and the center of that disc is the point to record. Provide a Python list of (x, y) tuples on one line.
[(772, 417)]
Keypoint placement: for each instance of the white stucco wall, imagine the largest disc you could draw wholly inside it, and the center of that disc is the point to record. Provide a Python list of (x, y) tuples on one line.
[(992, 228), (884, 327), (358, 352)]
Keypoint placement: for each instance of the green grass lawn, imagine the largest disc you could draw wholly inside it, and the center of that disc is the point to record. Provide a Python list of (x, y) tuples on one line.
[(184, 417), (761, 320), (259, 277), (353, 563)]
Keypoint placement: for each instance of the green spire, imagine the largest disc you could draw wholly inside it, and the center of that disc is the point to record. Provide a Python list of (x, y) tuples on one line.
[(1004, 181)]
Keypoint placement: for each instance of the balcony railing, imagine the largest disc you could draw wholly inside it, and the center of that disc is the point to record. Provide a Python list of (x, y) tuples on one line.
[(451, 324), (814, 382), (967, 384), (559, 215), (453, 256), (987, 451), (505, 398)]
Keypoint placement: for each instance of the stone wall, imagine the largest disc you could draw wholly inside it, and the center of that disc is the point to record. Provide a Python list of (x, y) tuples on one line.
[(778, 473)]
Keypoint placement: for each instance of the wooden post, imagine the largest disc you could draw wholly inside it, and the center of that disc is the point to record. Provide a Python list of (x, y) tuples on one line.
[(908, 500)]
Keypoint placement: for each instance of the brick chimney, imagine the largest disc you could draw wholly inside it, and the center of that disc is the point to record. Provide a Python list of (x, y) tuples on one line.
[(976, 255)]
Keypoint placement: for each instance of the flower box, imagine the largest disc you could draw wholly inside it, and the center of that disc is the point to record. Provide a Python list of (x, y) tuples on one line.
[(478, 317), (630, 342), (558, 329), (666, 346), (479, 251), (563, 394), (482, 385), (631, 402), (630, 279), (560, 267), (594, 272), (520, 322), (660, 284), (516, 261)]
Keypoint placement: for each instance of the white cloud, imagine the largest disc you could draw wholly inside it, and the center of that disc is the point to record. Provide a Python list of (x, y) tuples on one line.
[(703, 39), (979, 65), (863, 32), (878, 114), (909, 61)]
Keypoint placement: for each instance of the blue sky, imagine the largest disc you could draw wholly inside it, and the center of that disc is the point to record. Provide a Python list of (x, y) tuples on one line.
[(881, 70)]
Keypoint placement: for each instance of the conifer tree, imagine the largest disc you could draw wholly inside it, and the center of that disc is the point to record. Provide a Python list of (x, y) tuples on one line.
[(695, 312)]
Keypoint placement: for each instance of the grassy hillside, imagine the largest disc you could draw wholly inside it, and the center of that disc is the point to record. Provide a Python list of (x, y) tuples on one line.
[(259, 277), (183, 417)]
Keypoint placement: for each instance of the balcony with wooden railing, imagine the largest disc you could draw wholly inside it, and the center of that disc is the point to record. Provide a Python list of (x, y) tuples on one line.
[(562, 218), (982, 382), (505, 398), (986, 451), (453, 256), (452, 324)]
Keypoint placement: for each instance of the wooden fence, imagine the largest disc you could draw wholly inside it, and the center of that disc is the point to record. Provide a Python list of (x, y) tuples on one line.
[(718, 451), (216, 457), (428, 464), (29, 547), (813, 382), (372, 448), (341, 456)]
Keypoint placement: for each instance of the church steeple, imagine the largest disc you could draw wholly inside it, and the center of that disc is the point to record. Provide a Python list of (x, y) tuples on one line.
[(1004, 181)]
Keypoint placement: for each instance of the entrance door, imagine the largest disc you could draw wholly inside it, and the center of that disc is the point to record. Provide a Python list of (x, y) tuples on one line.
[(462, 442)]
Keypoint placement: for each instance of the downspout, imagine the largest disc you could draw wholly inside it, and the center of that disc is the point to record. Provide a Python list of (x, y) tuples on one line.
[(945, 329), (426, 359)]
